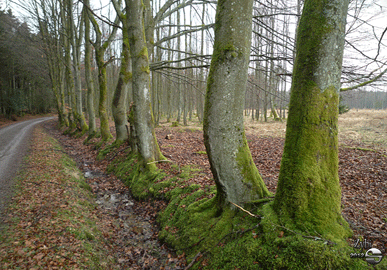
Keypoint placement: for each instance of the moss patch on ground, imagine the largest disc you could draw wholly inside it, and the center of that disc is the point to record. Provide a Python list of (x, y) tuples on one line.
[(232, 239), (235, 240), (137, 177), (103, 152)]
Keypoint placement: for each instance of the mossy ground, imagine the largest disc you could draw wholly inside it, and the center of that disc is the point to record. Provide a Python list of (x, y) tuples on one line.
[(103, 152), (232, 239), (236, 240)]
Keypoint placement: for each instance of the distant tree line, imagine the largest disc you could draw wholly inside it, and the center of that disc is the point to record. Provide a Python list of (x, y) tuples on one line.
[(25, 86), (365, 99)]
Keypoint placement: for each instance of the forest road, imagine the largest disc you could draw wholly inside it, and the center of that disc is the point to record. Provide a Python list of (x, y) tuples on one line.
[(14, 143)]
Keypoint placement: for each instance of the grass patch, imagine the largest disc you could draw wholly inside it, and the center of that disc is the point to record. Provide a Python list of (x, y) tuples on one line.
[(51, 221)]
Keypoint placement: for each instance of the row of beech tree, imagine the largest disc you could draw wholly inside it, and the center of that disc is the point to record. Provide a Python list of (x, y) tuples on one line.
[(179, 42), (308, 197), (24, 80), (75, 37)]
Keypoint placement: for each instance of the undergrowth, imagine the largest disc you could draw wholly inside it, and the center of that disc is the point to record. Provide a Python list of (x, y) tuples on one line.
[(232, 239)]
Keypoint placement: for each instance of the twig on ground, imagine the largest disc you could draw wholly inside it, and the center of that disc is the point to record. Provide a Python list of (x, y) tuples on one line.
[(364, 149), (143, 259), (193, 261), (158, 161), (244, 210)]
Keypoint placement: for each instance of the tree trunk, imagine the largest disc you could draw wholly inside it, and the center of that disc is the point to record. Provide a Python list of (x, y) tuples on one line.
[(179, 83), (237, 178), (102, 107), (88, 75), (70, 83), (75, 41), (309, 195), (120, 94), (148, 147), (100, 50)]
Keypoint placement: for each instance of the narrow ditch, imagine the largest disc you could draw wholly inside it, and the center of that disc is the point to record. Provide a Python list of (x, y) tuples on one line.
[(136, 231)]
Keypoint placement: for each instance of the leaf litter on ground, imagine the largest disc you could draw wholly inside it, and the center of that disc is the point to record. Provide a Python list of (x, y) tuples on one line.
[(362, 173)]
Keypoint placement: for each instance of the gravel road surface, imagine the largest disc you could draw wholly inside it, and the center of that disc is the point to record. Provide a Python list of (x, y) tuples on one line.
[(14, 143)]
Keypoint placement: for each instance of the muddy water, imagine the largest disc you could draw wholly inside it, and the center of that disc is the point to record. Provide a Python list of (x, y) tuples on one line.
[(137, 234)]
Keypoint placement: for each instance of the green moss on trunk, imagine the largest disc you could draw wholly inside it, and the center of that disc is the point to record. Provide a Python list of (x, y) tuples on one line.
[(309, 195), (236, 177), (252, 179), (120, 94), (105, 130)]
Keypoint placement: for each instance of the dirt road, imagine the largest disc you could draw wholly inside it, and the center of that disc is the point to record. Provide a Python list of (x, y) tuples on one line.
[(14, 140)]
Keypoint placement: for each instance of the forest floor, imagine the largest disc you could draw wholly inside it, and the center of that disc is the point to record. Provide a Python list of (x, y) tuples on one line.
[(362, 164), (133, 232)]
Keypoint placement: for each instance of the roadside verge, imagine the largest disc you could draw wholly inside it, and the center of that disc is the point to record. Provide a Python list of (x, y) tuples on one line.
[(51, 221)]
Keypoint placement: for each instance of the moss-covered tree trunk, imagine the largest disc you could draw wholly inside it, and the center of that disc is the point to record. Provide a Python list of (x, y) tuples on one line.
[(75, 40), (120, 93), (309, 195), (142, 114), (102, 107), (88, 75), (100, 49), (70, 83), (54, 58), (236, 176)]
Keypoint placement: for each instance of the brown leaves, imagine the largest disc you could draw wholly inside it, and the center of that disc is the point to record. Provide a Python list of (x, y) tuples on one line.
[(46, 240), (364, 193), (46, 217), (363, 176)]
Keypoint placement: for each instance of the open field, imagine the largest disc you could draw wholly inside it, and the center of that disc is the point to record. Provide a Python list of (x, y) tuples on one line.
[(358, 126), (368, 127)]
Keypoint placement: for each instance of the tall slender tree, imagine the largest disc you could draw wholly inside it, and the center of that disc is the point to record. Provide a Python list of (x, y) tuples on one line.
[(100, 50), (88, 73), (148, 147), (70, 84), (76, 36), (119, 107)]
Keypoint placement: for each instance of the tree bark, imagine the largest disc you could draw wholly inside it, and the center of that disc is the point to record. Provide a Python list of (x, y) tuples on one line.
[(88, 75), (100, 49), (142, 113), (236, 176), (102, 107), (75, 40), (309, 195), (120, 93), (68, 68)]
